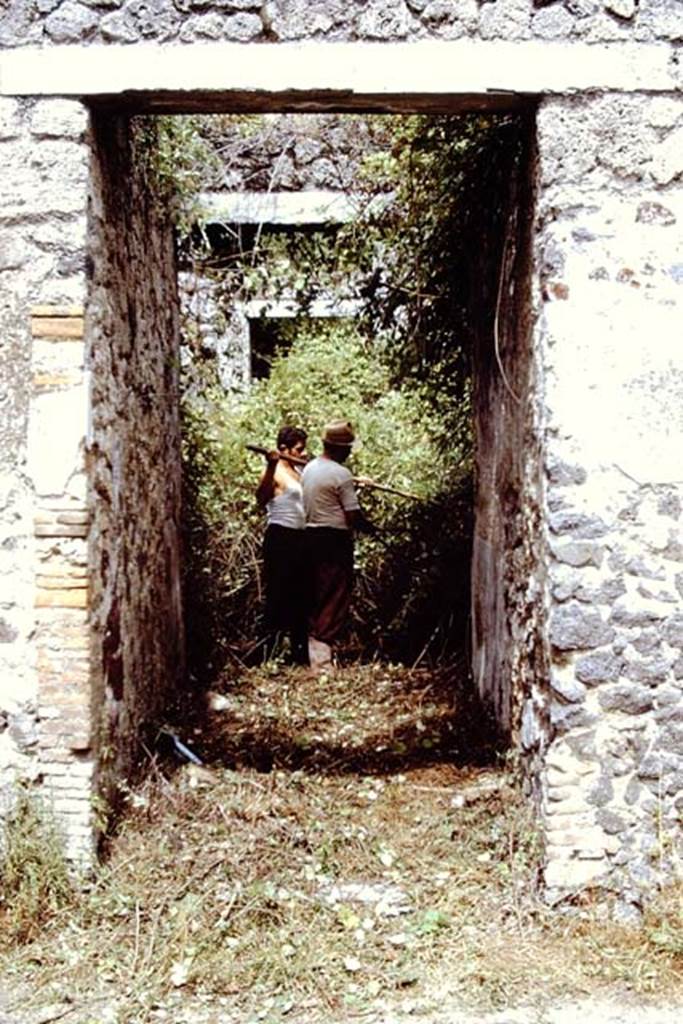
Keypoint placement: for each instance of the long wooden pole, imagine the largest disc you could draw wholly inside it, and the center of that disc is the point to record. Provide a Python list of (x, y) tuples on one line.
[(361, 481), (294, 459)]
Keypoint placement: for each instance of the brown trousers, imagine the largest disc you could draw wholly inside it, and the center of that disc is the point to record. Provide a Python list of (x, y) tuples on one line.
[(329, 554)]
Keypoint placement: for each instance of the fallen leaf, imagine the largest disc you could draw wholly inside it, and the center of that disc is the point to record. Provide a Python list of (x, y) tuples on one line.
[(348, 917)]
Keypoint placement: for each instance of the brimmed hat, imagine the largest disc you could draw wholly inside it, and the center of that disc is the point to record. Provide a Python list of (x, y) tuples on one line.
[(339, 433)]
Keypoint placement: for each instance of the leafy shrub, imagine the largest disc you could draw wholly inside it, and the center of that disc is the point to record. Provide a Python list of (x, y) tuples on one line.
[(412, 579), (424, 260)]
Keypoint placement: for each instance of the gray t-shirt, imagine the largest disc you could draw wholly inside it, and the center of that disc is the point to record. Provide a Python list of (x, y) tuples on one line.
[(328, 493)]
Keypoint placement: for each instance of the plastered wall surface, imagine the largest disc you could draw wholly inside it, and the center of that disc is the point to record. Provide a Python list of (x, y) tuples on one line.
[(610, 270), (601, 714)]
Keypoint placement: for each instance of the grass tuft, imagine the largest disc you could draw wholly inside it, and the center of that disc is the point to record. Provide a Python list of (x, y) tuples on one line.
[(34, 875)]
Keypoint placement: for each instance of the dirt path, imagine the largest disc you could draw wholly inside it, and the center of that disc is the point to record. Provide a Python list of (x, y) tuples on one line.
[(350, 850)]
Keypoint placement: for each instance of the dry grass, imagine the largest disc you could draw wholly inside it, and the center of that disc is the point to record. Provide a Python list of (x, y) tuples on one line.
[(34, 876), (348, 849)]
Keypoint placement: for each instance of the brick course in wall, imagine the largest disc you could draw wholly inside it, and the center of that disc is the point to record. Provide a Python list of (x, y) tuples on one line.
[(62, 632), (44, 661)]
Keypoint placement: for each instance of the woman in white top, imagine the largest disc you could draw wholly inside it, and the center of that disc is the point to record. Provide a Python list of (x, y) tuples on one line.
[(284, 571)]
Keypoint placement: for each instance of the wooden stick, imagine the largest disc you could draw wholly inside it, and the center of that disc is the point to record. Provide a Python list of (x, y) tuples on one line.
[(361, 481), (294, 459)]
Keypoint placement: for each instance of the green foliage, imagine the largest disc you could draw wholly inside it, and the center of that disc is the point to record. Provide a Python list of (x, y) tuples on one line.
[(329, 372), (424, 258), (437, 243), (34, 878), (181, 159), (301, 266)]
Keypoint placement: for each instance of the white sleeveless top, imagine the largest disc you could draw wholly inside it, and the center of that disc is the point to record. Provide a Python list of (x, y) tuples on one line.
[(287, 509)]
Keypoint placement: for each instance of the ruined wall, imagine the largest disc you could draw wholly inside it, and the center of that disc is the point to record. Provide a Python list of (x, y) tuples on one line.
[(90, 437), (186, 21), (133, 445), (264, 156), (609, 214), (508, 575), (603, 725), (44, 149), (294, 152), (215, 339)]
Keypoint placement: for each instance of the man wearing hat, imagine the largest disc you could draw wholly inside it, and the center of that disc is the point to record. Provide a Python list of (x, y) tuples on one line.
[(332, 514)]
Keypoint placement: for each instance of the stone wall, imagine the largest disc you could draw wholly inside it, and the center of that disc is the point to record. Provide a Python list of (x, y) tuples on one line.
[(187, 21), (294, 152), (215, 338), (134, 448), (609, 212), (508, 575), (91, 470), (44, 149)]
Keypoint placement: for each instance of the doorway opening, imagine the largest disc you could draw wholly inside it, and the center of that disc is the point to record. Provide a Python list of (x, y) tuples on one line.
[(426, 242), (352, 781), (428, 261)]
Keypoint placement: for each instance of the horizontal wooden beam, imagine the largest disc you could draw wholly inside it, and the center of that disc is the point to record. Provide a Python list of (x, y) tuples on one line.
[(428, 74)]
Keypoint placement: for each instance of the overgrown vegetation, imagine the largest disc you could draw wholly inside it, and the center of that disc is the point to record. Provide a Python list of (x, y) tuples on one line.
[(34, 877), (410, 595), (181, 161), (402, 375)]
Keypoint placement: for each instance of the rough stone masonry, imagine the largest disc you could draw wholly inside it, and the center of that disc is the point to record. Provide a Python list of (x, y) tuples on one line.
[(598, 587)]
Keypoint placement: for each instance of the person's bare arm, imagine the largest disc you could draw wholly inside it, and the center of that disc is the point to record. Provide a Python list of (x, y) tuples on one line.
[(265, 491)]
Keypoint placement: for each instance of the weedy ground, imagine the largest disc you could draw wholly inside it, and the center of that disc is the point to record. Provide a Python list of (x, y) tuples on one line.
[(352, 844)]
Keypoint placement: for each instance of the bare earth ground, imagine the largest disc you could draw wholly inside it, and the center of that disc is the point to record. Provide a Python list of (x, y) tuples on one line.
[(351, 850)]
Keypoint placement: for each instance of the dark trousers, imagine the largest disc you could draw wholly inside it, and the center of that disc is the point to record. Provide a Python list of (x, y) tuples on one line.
[(284, 579), (329, 554)]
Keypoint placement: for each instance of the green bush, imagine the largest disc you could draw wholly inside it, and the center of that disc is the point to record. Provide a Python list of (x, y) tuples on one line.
[(425, 265), (411, 581)]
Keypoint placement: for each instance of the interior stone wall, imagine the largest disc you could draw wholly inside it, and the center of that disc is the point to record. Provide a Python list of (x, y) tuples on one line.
[(508, 611), (133, 447), (214, 336)]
